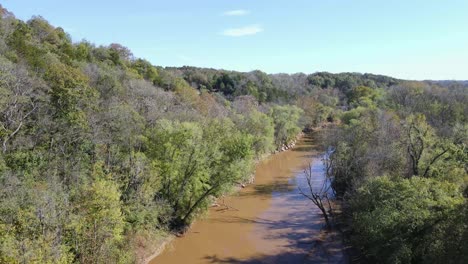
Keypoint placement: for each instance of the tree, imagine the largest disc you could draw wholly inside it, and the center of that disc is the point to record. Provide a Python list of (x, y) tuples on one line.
[(286, 120), (318, 194), (422, 146), (392, 218), (98, 226), (119, 53), (146, 70), (83, 51), (195, 163), (260, 127), (225, 84), (363, 96), (43, 30), (315, 112), (178, 159), (69, 92), (20, 98)]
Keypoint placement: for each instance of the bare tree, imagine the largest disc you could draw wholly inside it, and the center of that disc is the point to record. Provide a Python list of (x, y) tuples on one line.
[(19, 99), (319, 194)]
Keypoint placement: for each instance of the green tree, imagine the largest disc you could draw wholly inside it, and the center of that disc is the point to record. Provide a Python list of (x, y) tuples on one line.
[(195, 163), (69, 92), (98, 225), (363, 96), (393, 218), (260, 127), (286, 119), (423, 147)]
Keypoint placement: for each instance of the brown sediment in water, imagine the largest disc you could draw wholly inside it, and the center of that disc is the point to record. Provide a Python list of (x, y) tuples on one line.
[(266, 222)]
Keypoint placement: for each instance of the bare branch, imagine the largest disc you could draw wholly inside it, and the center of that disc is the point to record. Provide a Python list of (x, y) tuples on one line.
[(317, 195)]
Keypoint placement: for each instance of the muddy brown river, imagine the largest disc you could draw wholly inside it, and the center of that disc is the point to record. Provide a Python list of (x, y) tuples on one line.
[(269, 221)]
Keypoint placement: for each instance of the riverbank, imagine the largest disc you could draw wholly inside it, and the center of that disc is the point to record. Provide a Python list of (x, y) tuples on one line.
[(265, 221), (147, 251)]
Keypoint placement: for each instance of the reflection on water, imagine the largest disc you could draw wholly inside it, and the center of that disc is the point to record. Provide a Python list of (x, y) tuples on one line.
[(267, 222)]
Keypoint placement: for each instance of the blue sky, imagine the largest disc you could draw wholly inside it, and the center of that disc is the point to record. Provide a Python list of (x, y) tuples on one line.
[(411, 39)]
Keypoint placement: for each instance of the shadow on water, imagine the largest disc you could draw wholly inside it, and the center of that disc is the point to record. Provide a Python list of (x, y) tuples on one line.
[(303, 149), (281, 224), (292, 219), (280, 258), (320, 253), (265, 190), (301, 246)]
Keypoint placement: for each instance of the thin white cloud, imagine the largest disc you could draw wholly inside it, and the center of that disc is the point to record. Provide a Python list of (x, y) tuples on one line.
[(237, 12), (243, 31)]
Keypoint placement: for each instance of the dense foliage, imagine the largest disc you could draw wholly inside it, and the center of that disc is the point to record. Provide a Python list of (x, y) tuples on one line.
[(416, 220), (399, 163)]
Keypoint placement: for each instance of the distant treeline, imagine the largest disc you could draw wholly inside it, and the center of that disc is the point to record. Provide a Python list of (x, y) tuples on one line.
[(276, 87)]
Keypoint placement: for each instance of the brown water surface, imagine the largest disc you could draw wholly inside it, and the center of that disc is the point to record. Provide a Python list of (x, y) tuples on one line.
[(266, 222)]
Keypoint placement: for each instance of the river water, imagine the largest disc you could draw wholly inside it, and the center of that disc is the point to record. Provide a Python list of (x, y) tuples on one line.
[(269, 221)]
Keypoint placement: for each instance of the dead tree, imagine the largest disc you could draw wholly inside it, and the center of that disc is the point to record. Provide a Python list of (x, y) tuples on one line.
[(319, 195), (19, 99)]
